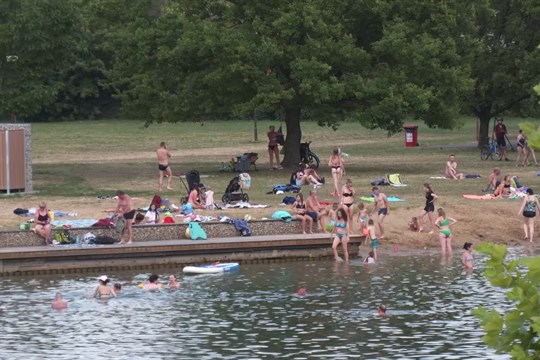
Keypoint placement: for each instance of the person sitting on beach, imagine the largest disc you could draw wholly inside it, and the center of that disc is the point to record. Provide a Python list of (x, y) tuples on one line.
[(299, 209), (152, 283), (196, 198), (43, 223), (103, 291), (173, 284), (504, 189), (59, 303), (151, 216), (451, 169), (315, 210), (307, 176), (494, 179), (117, 288)]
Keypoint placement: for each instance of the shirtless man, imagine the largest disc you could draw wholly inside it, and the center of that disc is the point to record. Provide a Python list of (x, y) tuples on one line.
[(163, 156), (315, 209), (59, 303), (451, 169), (381, 203), (125, 208)]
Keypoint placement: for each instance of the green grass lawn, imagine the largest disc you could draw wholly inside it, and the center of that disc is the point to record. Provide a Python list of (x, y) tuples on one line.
[(89, 158)]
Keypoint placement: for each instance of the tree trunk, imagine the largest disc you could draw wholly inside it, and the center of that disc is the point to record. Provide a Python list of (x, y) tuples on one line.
[(485, 133), (294, 135)]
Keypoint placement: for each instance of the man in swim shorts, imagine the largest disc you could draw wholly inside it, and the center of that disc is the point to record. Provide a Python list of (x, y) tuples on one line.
[(125, 209), (163, 156), (315, 209), (381, 203)]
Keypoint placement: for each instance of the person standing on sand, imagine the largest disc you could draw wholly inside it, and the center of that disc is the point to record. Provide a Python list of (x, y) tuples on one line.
[(381, 203), (451, 169), (429, 209), (529, 210), (163, 156), (125, 209), (499, 134), (338, 167)]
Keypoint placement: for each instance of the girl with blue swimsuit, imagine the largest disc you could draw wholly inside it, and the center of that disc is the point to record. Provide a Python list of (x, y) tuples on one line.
[(340, 234), (445, 234)]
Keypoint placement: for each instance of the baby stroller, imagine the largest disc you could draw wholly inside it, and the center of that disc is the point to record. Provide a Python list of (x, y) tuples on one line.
[(235, 189), (193, 178)]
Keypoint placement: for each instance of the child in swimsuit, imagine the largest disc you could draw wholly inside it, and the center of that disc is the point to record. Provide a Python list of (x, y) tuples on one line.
[(363, 218), (340, 234), (370, 259), (332, 215), (373, 238), (467, 257)]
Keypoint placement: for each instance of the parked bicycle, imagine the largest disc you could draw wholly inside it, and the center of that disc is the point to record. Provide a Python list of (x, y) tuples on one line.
[(490, 151), (307, 156)]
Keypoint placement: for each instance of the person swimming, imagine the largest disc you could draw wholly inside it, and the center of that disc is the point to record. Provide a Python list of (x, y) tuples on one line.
[(173, 284), (59, 303), (467, 257), (103, 291), (117, 288), (370, 259), (381, 311), (152, 283)]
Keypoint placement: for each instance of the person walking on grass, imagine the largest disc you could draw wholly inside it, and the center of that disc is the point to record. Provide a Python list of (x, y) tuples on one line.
[(529, 210), (429, 208), (444, 222), (163, 156), (381, 203), (273, 149), (340, 234)]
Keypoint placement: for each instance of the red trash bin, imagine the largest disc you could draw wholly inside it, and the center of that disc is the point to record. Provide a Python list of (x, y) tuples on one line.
[(411, 135)]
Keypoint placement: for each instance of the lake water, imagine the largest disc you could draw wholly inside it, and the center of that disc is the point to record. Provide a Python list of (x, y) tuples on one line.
[(254, 313)]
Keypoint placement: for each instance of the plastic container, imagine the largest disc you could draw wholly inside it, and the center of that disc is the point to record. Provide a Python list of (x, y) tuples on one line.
[(24, 226)]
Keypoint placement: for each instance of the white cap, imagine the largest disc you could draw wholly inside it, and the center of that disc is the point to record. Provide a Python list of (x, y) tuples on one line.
[(103, 278)]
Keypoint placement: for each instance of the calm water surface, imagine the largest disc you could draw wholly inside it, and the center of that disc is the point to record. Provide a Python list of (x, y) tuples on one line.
[(254, 313)]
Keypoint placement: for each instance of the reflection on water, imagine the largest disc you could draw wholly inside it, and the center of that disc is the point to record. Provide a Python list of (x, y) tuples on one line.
[(255, 313)]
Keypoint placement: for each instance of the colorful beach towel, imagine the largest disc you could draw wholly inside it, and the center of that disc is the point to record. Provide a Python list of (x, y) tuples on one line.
[(372, 199)]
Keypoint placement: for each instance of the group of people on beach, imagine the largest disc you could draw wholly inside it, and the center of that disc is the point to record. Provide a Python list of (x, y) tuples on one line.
[(105, 291)]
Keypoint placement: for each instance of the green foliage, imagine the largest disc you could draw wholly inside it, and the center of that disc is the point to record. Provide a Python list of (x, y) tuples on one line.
[(517, 331)]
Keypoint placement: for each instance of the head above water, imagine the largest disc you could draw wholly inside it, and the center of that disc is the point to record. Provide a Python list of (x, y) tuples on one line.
[(382, 309), (103, 279), (153, 278), (467, 245)]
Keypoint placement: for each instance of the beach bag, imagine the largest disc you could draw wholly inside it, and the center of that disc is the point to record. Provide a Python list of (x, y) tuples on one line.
[(119, 223), (63, 238), (102, 240), (187, 209)]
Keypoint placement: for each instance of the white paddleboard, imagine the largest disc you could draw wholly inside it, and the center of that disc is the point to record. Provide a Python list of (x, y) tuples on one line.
[(211, 268)]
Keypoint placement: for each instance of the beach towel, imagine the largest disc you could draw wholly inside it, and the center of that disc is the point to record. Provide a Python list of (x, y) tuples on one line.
[(282, 215), (439, 177), (480, 197), (77, 223), (196, 231), (389, 198), (243, 205)]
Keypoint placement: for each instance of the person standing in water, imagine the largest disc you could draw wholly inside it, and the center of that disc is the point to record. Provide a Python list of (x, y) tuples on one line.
[(163, 156), (340, 234), (445, 234), (467, 257), (103, 291)]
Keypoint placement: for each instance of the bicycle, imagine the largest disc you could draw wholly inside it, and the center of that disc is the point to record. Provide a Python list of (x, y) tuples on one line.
[(307, 156), (490, 150)]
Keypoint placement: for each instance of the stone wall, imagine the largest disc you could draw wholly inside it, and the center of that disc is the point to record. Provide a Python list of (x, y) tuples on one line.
[(29, 187), (159, 232)]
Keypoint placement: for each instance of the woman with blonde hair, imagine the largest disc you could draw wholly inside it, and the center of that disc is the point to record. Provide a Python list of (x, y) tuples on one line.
[(43, 223), (444, 222)]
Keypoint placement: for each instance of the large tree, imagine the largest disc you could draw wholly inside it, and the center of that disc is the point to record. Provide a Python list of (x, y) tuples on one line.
[(506, 59), (373, 61), (39, 39)]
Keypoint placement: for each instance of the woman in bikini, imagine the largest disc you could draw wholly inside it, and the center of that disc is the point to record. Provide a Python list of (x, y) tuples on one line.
[(347, 197), (340, 234), (103, 291), (521, 145), (494, 180), (299, 209), (444, 222), (43, 223), (273, 148), (529, 210), (338, 168), (467, 257), (429, 209)]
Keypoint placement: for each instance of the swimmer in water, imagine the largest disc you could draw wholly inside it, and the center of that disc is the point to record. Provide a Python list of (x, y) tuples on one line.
[(467, 257), (152, 283), (173, 284), (59, 303), (381, 311), (117, 288), (301, 292), (103, 291), (370, 259)]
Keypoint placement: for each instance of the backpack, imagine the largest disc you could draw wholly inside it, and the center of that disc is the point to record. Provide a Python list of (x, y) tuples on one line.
[(102, 240), (63, 238), (288, 200), (242, 226), (280, 138)]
